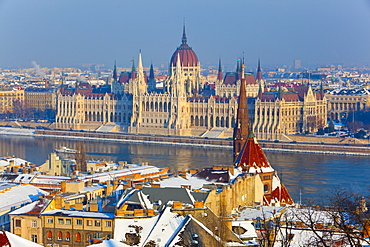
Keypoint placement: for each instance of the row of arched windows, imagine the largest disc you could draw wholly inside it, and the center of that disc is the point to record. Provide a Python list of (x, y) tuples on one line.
[(67, 236)]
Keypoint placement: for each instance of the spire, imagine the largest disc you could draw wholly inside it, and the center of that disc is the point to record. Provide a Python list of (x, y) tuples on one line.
[(219, 75), (242, 121), (140, 61), (140, 69), (115, 71), (321, 90), (260, 91), (184, 39), (151, 72), (259, 72)]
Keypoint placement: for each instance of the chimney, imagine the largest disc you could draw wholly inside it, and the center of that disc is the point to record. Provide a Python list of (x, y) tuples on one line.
[(177, 205), (79, 206), (58, 202), (94, 207), (63, 186)]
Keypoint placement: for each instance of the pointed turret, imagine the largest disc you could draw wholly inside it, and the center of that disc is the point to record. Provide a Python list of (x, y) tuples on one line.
[(140, 69), (242, 121), (219, 75), (115, 71), (151, 79), (259, 71), (133, 71), (151, 72)]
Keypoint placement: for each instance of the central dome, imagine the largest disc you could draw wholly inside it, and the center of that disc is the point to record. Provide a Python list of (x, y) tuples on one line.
[(188, 58)]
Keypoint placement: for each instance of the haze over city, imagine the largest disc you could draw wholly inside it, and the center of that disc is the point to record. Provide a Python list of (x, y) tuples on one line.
[(71, 33)]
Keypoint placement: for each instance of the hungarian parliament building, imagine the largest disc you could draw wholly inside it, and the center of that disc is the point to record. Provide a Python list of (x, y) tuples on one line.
[(188, 105)]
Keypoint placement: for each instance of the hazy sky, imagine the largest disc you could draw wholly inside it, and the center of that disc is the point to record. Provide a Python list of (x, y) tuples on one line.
[(73, 32)]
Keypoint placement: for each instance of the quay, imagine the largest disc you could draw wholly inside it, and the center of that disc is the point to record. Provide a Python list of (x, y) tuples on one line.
[(280, 146)]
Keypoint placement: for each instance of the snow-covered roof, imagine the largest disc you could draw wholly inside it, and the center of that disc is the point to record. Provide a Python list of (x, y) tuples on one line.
[(109, 243), (35, 207), (248, 226), (123, 226), (165, 227), (263, 212), (19, 195), (24, 178), (177, 182), (5, 161)]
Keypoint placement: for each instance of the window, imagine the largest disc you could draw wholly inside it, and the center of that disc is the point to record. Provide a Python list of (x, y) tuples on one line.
[(79, 222), (50, 220), (68, 221), (98, 235), (78, 237), (97, 222), (60, 236), (34, 224), (108, 223), (50, 235), (89, 222), (18, 223), (60, 221), (34, 238), (68, 236)]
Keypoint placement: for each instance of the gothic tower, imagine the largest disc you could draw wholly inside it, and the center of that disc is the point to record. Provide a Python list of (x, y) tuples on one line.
[(241, 127)]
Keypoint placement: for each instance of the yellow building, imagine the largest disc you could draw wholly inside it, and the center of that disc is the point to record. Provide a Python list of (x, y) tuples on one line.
[(275, 114), (26, 221), (40, 98), (345, 100), (76, 228), (11, 100)]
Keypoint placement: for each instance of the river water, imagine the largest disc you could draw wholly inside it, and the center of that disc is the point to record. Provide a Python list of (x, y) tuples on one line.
[(307, 176)]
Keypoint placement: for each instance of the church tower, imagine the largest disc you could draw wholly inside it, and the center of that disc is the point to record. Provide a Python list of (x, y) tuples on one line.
[(241, 127)]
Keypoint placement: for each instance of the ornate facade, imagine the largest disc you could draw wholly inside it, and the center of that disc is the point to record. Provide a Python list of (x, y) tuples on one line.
[(185, 107), (279, 113)]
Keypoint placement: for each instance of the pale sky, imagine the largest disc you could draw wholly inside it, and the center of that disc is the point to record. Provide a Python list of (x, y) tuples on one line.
[(57, 33)]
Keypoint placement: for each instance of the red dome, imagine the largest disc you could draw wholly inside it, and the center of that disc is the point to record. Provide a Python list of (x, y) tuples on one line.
[(188, 57)]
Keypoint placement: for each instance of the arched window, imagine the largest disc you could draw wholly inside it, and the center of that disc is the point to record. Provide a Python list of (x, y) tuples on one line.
[(68, 236), (78, 237), (50, 235), (60, 236), (266, 187)]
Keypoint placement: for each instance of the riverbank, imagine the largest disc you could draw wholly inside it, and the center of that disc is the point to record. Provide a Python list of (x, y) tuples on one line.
[(295, 147)]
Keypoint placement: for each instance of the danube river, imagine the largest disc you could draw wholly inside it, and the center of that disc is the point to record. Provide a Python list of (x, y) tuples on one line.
[(314, 175)]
